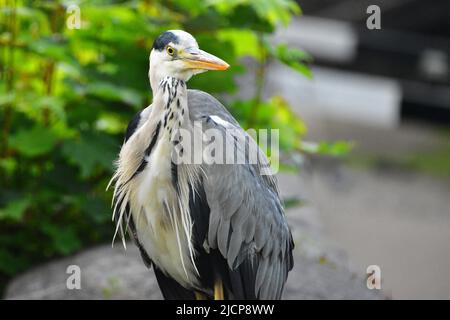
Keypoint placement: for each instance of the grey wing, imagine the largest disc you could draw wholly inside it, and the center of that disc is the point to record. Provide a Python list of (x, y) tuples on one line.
[(247, 223)]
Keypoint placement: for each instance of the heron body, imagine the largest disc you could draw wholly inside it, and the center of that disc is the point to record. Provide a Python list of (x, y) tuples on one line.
[(209, 229)]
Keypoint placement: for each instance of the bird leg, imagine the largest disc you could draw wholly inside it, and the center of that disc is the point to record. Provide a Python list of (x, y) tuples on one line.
[(200, 296), (218, 289)]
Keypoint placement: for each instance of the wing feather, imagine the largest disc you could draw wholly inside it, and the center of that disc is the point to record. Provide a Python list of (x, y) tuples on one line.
[(247, 223)]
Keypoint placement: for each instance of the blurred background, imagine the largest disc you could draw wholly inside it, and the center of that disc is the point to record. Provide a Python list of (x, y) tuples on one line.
[(363, 115)]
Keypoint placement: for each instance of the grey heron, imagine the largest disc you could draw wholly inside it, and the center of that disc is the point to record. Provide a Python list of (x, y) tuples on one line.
[(209, 230)]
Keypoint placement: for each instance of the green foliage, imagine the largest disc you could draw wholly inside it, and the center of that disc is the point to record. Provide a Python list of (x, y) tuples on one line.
[(274, 113), (33, 142), (293, 58), (90, 152), (66, 97), (15, 210)]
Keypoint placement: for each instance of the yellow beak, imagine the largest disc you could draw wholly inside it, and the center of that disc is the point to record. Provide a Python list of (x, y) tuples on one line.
[(199, 59)]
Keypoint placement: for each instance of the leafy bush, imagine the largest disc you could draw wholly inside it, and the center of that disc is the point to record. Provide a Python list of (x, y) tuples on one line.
[(66, 96)]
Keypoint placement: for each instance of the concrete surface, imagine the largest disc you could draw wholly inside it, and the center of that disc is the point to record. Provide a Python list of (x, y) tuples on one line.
[(398, 221)]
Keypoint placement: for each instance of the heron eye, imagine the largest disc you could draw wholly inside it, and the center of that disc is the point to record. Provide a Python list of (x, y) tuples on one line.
[(170, 51)]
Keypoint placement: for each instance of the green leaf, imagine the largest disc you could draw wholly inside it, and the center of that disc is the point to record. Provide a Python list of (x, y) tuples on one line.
[(65, 240), (110, 123), (90, 151), (109, 91), (97, 209), (273, 11), (9, 165), (15, 209), (292, 128), (33, 142), (7, 98), (53, 104), (293, 58), (52, 48), (11, 263), (245, 42)]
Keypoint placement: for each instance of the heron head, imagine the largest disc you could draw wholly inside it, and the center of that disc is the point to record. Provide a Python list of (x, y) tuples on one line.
[(175, 53)]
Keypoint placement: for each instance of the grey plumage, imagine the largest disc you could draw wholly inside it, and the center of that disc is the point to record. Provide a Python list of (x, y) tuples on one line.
[(247, 208)]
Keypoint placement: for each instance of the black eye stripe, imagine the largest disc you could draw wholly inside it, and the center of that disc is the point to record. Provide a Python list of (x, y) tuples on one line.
[(164, 39)]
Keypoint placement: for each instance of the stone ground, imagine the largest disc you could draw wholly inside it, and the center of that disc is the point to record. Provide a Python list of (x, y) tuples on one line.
[(397, 220), (322, 271)]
